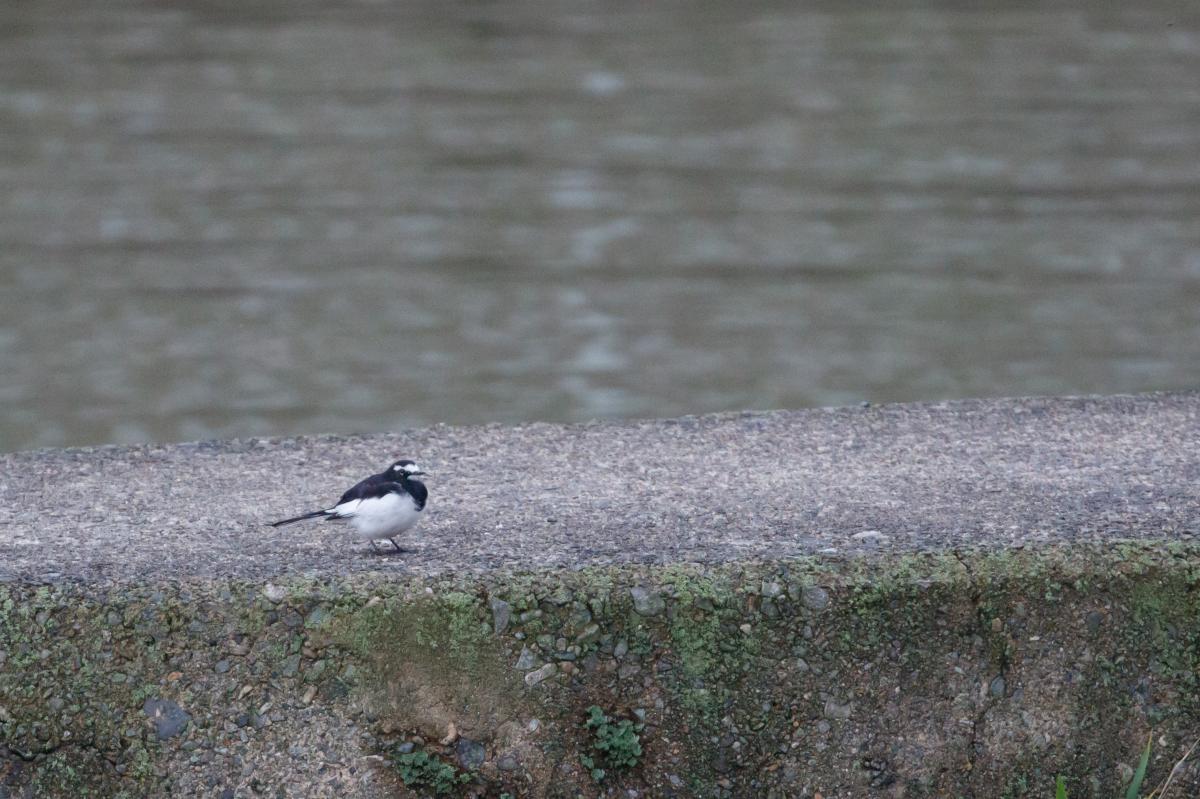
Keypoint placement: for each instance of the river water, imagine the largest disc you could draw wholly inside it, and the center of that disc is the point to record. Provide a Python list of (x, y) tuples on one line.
[(251, 218)]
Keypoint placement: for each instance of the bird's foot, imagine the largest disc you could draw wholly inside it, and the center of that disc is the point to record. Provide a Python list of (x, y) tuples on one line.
[(384, 552)]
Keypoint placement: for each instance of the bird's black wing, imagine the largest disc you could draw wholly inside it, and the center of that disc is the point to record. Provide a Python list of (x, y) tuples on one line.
[(367, 489), (374, 486)]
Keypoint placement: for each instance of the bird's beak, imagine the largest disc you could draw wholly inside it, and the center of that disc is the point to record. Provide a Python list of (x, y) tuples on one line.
[(414, 474)]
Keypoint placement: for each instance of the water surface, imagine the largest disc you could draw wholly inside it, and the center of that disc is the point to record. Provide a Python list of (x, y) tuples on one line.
[(253, 218)]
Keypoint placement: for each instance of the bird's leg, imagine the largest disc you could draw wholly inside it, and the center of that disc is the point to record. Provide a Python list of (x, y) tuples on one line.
[(375, 547), (397, 546)]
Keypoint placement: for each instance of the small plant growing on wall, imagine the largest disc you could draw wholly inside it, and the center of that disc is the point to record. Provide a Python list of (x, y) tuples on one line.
[(421, 770), (617, 744), (1134, 791)]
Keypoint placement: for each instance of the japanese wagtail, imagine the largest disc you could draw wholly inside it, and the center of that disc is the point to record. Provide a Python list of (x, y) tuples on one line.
[(380, 507)]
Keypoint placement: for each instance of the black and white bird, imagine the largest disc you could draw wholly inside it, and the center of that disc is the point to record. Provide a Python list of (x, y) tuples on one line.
[(380, 507)]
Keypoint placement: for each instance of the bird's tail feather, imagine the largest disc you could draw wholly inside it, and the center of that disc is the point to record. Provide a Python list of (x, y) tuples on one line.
[(294, 519)]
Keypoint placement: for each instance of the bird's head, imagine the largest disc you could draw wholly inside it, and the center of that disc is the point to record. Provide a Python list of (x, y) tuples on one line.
[(404, 468)]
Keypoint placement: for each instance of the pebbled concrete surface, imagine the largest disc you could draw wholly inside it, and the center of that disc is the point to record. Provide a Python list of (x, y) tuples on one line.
[(710, 489)]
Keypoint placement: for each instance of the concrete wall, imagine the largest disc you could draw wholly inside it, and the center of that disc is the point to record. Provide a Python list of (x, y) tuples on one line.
[(1034, 623)]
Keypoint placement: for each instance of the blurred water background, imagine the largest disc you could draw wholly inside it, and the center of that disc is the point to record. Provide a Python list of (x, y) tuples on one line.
[(252, 218)]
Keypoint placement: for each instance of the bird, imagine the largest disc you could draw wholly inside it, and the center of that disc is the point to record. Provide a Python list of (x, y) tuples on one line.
[(379, 507)]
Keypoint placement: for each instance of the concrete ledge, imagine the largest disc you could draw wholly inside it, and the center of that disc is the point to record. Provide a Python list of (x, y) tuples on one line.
[(957, 599)]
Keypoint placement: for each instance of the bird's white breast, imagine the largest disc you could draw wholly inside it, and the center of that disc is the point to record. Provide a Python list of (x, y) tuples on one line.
[(380, 517)]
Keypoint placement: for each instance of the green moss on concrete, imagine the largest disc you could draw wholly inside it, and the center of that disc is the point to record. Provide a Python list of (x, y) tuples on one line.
[(57, 776), (1018, 665), (428, 627)]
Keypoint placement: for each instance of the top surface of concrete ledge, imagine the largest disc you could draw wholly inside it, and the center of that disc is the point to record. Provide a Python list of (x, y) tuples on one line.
[(713, 489)]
